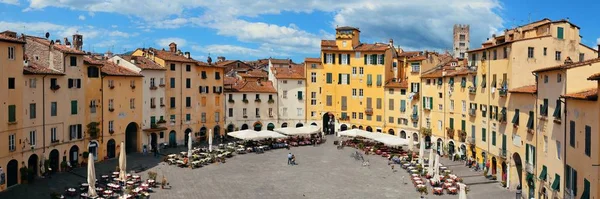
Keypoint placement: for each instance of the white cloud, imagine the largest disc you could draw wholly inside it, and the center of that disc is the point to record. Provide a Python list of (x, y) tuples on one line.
[(116, 33), (11, 2), (232, 50), (81, 17), (164, 43), (598, 41)]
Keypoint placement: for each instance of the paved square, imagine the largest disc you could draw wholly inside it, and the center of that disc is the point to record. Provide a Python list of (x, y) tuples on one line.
[(322, 172)]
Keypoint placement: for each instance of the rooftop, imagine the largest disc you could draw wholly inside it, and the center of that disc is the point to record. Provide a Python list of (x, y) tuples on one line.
[(10, 36), (295, 71), (35, 69), (588, 94), (395, 84), (594, 77), (250, 86), (111, 69), (144, 63), (346, 28), (310, 59), (254, 73), (60, 47), (568, 65), (531, 89)]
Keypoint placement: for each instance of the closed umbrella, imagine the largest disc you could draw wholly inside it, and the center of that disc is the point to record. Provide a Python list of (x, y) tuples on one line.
[(462, 194), (430, 169), (436, 169), (91, 178), (210, 140), (122, 163), (189, 154), (421, 151), (410, 144)]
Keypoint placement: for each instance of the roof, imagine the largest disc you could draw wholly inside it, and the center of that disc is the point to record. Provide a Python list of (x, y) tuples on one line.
[(91, 61), (346, 28), (395, 84), (292, 72), (372, 47), (229, 80), (5, 37), (111, 69), (588, 94), (254, 73), (460, 72), (171, 56), (417, 58), (226, 62), (253, 86), (281, 61), (329, 44), (594, 77), (569, 65), (507, 42), (433, 74), (524, 89), (60, 47), (36, 69), (310, 59), (409, 53), (143, 63)]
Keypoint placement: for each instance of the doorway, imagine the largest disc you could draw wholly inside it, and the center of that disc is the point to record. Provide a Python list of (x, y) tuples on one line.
[(32, 163), (12, 172), (131, 138), (111, 149)]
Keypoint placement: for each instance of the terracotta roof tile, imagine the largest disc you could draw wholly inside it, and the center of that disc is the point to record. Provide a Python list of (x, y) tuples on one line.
[(594, 77), (417, 58), (91, 61), (568, 66), (460, 72), (588, 94), (252, 86), (254, 73), (329, 43), (409, 53), (524, 89), (4, 36), (309, 59), (372, 47), (36, 69), (293, 72), (169, 56), (111, 69), (281, 61), (434, 74), (229, 80), (226, 62), (393, 84), (144, 63), (60, 47)]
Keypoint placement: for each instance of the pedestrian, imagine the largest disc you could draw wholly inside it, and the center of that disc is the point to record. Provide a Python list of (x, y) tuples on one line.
[(293, 159), (289, 158), (145, 150)]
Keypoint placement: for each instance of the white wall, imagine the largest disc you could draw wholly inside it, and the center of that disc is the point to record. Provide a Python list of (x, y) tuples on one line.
[(238, 118), (291, 101)]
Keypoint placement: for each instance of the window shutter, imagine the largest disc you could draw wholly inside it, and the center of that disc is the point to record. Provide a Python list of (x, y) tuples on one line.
[(78, 83), (417, 87), (70, 83), (431, 102), (348, 59), (340, 78), (340, 59), (575, 181), (366, 59), (527, 153), (382, 59), (402, 105), (79, 131), (424, 103), (333, 58), (412, 88), (324, 57), (348, 78), (374, 59), (11, 113), (534, 154)]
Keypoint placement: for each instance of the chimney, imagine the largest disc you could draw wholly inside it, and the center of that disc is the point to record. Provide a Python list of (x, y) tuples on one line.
[(220, 58), (77, 41), (187, 55), (173, 47), (67, 42), (209, 60), (57, 41), (392, 42)]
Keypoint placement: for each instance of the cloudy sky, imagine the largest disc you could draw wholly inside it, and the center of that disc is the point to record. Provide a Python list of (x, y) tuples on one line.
[(251, 29)]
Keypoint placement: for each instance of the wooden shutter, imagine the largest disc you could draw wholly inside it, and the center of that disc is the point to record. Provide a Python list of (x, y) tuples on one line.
[(78, 83), (70, 82), (340, 78), (333, 58), (382, 59), (340, 59), (365, 59), (348, 78), (348, 59), (430, 102)]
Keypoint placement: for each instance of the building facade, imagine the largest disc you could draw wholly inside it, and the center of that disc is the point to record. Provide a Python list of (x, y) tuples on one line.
[(461, 40), (290, 82), (251, 104)]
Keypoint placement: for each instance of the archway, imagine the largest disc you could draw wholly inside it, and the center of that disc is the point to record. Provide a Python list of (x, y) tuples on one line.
[(131, 142), (360, 127), (343, 127), (415, 137), (484, 160), (153, 140), (463, 151), (299, 125), (230, 128), (53, 158), (369, 128), (391, 132), (403, 134), (328, 123), (32, 163), (92, 149), (451, 148), (354, 127), (427, 142), (313, 124), (257, 126), (172, 139), (12, 172), (111, 148), (494, 166), (270, 126), (203, 132), (244, 127), (284, 125), (187, 133), (217, 133), (439, 145), (74, 154)]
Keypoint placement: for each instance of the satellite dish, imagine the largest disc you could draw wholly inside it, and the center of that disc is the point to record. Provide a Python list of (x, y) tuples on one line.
[(47, 35)]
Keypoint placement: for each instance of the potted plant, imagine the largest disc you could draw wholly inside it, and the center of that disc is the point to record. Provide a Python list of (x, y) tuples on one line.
[(422, 191), (425, 131), (93, 129), (361, 146)]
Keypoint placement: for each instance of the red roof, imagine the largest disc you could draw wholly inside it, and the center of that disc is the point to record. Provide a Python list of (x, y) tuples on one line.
[(5, 36), (372, 47), (91, 61), (588, 94), (409, 53), (252, 86), (291, 72), (144, 63), (309, 59), (392, 84), (569, 65), (417, 58), (35, 69), (531, 89), (281, 61), (111, 69), (60, 47), (254, 73)]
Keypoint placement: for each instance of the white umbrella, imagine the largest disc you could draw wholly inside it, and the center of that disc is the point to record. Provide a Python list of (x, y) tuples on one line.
[(91, 178), (410, 144), (189, 153), (210, 140), (436, 169), (43, 166), (122, 163), (430, 170), (421, 151), (462, 194)]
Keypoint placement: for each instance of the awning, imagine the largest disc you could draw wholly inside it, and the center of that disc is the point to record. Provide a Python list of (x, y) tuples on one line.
[(556, 184), (543, 174)]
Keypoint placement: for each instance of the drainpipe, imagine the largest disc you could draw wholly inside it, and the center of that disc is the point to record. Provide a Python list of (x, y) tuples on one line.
[(537, 86), (102, 102), (44, 115), (565, 131)]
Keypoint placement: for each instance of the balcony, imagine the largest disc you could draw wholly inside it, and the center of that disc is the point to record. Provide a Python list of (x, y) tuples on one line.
[(472, 112), (450, 133), (472, 90), (414, 117), (502, 152), (271, 101), (462, 136), (162, 85), (529, 167), (257, 100), (162, 105), (344, 118), (132, 86), (231, 101), (502, 92), (369, 111), (54, 87), (245, 100), (152, 87), (111, 109), (152, 106)]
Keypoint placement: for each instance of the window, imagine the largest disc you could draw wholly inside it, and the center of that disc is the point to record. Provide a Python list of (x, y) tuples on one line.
[(217, 116), (244, 112), (162, 102), (284, 94), (172, 119), (329, 58), (494, 54), (360, 116), (379, 103), (172, 82), (361, 71), (11, 53), (530, 52), (188, 83), (588, 141), (313, 77), (32, 138), (415, 67), (378, 118), (203, 101), (530, 154), (380, 59), (557, 56), (313, 98), (329, 78), (402, 91), (188, 102), (369, 79), (53, 137), (172, 67), (545, 51), (544, 108), (271, 112), (493, 138), (545, 143), (581, 57), (230, 112), (391, 104), (284, 110), (313, 65), (299, 110), (483, 134), (93, 72), (344, 58), (558, 78), (132, 103), (11, 83), (172, 101), (257, 113), (483, 81), (329, 100), (202, 117), (464, 106), (75, 131), (357, 55), (111, 126), (572, 133), (558, 150), (11, 142), (451, 105), (353, 71), (560, 32), (505, 52), (32, 83), (203, 75), (414, 87), (73, 107), (360, 92), (32, 111), (73, 60), (217, 75), (284, 81), (354, 92)]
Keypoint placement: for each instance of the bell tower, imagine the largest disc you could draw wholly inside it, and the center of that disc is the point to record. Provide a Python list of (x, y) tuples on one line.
[(347, 37)]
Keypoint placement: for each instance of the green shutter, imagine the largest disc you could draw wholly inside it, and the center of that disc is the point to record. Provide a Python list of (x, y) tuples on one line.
[(515, 119), (424, 103), (12, 113), (402, 105), (383, 59), (74, 107), (329, 78), (560, 33), (451, 123), (348, 78), (503, 141), (333, 58), (299, 95), (366, 59), (188, 117), (494, 138), (463, 126), (152, 120), (340, 78), (526, 153), (533, 150), (431, 103), (348, 59), (530, 121), (369, 80), (557, 110), (340, 59), (379, 83), (483, 134)]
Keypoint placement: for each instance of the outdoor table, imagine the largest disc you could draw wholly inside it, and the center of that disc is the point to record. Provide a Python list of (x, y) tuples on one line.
[(144, 186), (116, 173), (99, 189), (414, 175), (84, 195), (405, 165), (136, 190), (71, 190), (420, 185), (151, 182), (452, 176), (416, 178), (126, 196), (411, 168), (453, 190), (129, 183), (183, 153), (171, 156), (438, 191), (179, 161), (128, 175), (414, 171), (108, 193), (447, 185), (443, 168), (449, 181), (418, 182), (136, 178), (105, 177)]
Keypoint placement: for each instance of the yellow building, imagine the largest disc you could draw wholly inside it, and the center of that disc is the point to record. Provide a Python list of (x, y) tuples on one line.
[(354, 73), (314, 69), (122, 111), (194, 94), (11, 158), (94, 106)]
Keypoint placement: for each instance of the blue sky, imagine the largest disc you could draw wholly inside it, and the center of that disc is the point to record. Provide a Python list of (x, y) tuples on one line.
[(248, 30)]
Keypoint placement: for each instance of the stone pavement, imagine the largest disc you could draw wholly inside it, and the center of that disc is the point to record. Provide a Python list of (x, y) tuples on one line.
[(322, 172)]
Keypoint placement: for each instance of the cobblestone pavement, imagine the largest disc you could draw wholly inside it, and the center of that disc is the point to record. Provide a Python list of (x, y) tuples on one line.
[(322, 172)]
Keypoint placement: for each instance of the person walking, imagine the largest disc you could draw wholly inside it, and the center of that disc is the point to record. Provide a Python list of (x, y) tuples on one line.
[(289, 158)]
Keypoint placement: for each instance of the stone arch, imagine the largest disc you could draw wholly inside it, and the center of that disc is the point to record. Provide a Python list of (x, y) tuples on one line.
[(244, 127), (32, 163), (187, 133), (369, 128), (343, 127), (403, 134), (391, 132), (12, 173), (111, 148), (299, 125), (270, 126), (354, 127), (284, 125), (257, 126), (74, 154), (131, 137)]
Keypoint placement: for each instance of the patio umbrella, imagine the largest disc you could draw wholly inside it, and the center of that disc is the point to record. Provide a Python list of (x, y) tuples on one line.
[(430, 170), (436, 169), (189, 153), (43, 166), (122, 163), (421, 152), (410, 144), (210, 140), (91, 176), (462, 194)]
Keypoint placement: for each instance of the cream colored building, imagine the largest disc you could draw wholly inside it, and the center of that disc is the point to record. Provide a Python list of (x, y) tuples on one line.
[(290, 82), (251, 104)]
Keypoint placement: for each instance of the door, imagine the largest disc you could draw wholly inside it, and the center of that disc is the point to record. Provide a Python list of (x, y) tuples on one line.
[(153, 140), (12, 171), (32, 163), (111, 148), (54, 160), (172, 139), (74, 154)]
